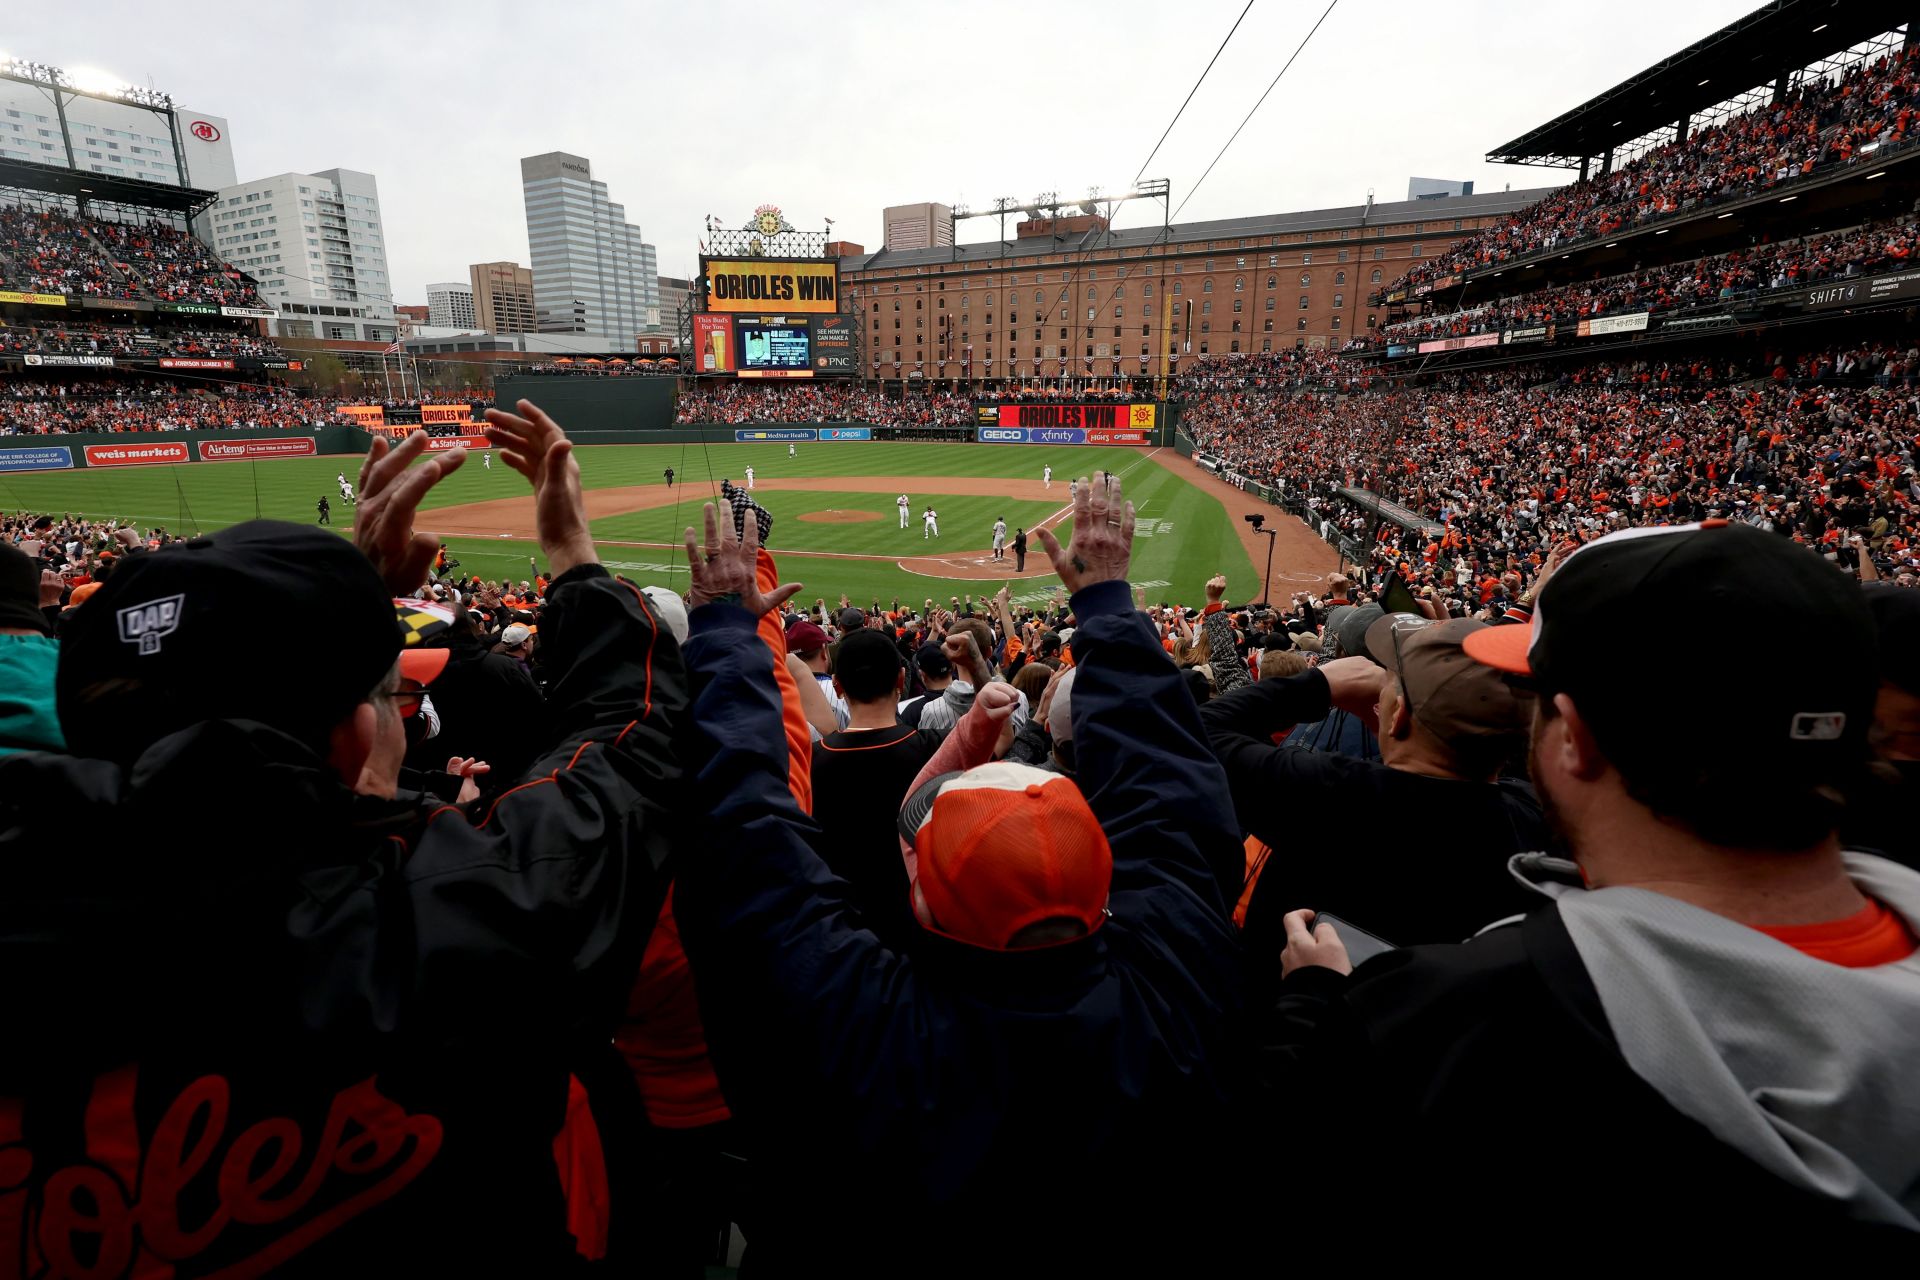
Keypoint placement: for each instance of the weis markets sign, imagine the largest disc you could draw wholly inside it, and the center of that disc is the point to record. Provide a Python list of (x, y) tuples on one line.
[(238, 450), (809, 286), (135, 455)]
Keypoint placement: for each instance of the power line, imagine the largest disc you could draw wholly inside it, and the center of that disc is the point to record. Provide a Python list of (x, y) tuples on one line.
[(1256, 106), (1196, 88)]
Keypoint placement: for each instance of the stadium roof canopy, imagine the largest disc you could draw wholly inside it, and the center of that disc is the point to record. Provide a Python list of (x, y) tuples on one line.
[(1772, 41), (101, 188)]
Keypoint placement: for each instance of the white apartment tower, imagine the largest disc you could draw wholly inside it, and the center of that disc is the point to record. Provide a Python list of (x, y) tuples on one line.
[(591, 271), (315, 244), (450, 306)]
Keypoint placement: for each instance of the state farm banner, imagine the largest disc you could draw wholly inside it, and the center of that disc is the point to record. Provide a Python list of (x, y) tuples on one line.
[(133, 455), (239, 450), (446, 413), (367, 415), (440, 444), (1614, 324), (183, 362), (64, 361)]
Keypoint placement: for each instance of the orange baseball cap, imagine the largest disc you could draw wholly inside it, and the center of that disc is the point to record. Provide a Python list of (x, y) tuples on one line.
[(1000, 848)]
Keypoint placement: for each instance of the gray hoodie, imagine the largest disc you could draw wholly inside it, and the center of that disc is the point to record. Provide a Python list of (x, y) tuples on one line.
[(1809, 1069)]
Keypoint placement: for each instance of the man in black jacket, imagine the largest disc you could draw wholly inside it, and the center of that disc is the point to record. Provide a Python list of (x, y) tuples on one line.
[(489, 708), (1707, 1028), (281, 1017), (1418, 848)]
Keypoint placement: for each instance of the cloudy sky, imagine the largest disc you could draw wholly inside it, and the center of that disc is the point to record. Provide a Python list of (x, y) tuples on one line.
[(836, 111)]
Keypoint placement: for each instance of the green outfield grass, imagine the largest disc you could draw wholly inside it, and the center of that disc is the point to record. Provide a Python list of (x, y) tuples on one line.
[(1184, 535)]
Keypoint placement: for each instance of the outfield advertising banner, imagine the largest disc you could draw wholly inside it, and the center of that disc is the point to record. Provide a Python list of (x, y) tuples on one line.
[(713, 344), (54, 458), (1107, 416), (440, 444), (1098, 436), (833, 345), (846, 433), (34, 299), (446, 413), (242, 450), (789, 433), (1033, 435), (134, 455), (367, 415)]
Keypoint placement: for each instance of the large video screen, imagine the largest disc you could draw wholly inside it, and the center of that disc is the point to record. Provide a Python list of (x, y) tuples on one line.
[(774, 349)]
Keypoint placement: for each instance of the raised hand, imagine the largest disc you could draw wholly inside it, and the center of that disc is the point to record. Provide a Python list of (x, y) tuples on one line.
[(534, 445), (728, 570), (1102, 545), (1216, 588), (390, 494)]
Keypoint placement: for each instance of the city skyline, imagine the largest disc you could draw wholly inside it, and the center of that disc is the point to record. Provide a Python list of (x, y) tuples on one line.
[(912, 93)]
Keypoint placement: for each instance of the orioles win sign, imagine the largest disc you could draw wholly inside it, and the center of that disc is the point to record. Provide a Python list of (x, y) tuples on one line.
[(739, 284)]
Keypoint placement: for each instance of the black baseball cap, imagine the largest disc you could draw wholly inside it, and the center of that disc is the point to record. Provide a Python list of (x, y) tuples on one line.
[(851, 619), (933, 661), (866, 664), (197, 631), (1723, 688)]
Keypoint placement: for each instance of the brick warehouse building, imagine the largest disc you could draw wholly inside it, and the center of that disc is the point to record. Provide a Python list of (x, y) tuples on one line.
[(1070, 296)]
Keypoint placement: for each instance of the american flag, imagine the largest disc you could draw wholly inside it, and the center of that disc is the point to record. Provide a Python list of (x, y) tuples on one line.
[(393, 349)]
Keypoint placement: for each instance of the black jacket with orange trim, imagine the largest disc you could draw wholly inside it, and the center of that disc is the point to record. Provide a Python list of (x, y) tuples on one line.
[(258, 1023)]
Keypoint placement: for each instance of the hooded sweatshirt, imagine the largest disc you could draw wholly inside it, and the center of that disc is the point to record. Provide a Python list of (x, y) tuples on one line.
[(1803, 1066)]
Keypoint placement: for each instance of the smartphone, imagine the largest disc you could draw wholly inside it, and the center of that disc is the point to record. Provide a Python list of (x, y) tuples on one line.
[(1397, 597), (1361, 946)]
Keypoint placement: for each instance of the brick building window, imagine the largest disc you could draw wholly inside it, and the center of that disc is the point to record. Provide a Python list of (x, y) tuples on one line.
[(1339, 300), (1301, 324), (1266, 326), (1336, 324), (1376, 275), (1239, 284), (1206, 286), (1206, 326), (1303, 302), (1266, 344), (1206, 308), (1306, 278), (1339, 277), (1378, 253)]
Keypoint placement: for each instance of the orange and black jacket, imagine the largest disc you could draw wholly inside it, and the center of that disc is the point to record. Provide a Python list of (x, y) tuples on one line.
[(257, 1024)]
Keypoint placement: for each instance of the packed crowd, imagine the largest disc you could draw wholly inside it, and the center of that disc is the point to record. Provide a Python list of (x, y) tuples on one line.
[(51, 251), (1827, 121), (565, 921), (735, 403), (42, 406), (1740, 275), (126, 341), (1823, 451)]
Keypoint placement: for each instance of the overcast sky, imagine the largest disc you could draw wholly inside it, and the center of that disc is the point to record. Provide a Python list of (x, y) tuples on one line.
[(836, 111)]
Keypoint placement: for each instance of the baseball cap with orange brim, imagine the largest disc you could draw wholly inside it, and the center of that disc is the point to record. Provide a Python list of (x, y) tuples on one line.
[(996, 850)]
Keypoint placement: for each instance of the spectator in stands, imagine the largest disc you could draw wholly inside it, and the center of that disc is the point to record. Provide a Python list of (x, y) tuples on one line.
[(860, 778), (1711, 977), (28, 655), (311, 958), (1428, 860)]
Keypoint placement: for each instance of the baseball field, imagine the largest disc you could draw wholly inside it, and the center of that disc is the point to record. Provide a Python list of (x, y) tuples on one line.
[(837, 521)]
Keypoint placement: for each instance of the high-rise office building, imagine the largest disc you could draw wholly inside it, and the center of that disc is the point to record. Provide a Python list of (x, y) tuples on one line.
[(314, 242), (450, 305), (592, 273), (918, 226), (502, 297)]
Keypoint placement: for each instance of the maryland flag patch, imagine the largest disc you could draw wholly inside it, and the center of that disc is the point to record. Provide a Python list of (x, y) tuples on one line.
[(421, 620)]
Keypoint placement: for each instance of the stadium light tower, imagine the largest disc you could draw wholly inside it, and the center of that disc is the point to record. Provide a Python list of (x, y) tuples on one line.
[(62, 86)]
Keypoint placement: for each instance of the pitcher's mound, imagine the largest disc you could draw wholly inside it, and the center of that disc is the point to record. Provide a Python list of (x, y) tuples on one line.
[(837, 516)]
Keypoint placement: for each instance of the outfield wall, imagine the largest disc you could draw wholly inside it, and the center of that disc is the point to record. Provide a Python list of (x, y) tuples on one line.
[(148, 448), (593, 406)]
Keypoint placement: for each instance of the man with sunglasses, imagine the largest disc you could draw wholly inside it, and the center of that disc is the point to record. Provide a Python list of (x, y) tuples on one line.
[(1413, 847)]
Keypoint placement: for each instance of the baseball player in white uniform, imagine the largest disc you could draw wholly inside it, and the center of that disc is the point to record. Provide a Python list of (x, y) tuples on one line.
[(749, 477), (1073, 489), (1000, 539), (486, 459), (346, 490), (1046, 476), (902, 502), (790, 454), (930, 524)]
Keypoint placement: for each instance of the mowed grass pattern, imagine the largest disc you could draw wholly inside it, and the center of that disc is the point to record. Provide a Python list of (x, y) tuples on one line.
[(1184, 535)]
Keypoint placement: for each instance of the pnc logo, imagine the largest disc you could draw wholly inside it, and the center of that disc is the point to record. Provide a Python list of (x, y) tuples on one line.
[(205, 130)]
